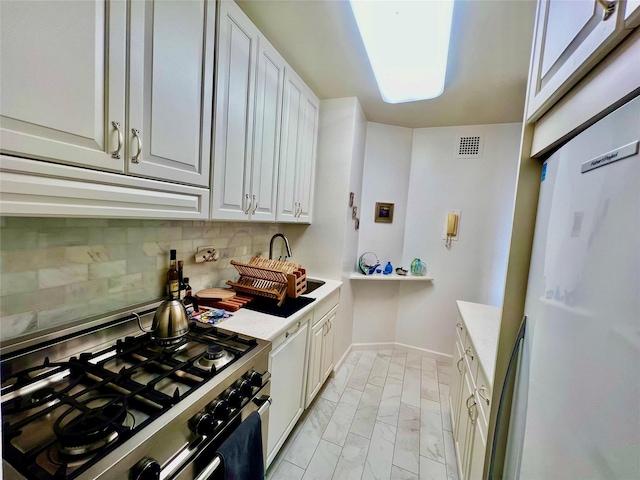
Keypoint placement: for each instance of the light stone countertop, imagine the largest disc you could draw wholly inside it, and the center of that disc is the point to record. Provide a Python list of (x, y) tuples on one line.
[(483, 327), (270, 327)]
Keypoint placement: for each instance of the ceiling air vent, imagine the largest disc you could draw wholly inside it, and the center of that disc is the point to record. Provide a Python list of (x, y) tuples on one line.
[(469, 146)]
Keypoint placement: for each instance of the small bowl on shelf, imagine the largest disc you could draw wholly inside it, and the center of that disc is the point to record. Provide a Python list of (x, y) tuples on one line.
[(401, 271)]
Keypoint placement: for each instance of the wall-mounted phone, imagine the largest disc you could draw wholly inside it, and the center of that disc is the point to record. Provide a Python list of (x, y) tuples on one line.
[(452, 225)]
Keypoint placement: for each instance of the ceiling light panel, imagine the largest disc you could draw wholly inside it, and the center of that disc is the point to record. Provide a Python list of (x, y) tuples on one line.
[(408, 44)]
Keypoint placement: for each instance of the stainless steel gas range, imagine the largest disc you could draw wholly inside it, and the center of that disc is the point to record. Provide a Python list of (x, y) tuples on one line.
[(103, 400)]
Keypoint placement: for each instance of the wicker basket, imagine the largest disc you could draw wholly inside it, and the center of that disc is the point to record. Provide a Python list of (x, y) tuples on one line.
[(270, 278)]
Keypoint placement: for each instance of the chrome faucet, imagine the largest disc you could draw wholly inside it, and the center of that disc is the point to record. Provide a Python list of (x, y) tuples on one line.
[(286, 244)]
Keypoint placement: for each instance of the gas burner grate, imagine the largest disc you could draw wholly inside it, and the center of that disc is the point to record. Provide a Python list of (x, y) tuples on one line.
[(92, 397)]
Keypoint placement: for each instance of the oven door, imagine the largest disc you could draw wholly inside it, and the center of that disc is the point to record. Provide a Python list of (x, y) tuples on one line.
[(205, 464)]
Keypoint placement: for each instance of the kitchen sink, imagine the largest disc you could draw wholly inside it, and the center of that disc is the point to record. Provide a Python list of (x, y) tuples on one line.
[(313, 285)]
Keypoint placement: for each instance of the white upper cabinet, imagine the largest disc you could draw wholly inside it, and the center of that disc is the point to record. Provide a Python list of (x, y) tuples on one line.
[(249, 85), (571, 37), (266, 145), (63, 85), (62, 81), (632, 14), (298, 151), (171, 59), (235, 91)]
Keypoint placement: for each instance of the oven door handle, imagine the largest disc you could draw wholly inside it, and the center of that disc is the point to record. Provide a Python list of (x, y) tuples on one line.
[(263, 403)]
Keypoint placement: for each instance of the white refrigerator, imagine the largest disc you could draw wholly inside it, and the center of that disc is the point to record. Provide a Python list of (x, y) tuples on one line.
[(576, 407)]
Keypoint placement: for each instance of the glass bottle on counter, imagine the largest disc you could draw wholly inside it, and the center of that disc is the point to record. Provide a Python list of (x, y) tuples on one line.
[(189, 301), (181, 290), (173, 283)]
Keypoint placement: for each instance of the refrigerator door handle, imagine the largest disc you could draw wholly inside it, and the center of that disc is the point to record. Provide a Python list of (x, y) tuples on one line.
[(509, 378)]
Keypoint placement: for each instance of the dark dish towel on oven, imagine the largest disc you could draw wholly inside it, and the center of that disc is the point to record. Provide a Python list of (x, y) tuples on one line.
[(241, 453)]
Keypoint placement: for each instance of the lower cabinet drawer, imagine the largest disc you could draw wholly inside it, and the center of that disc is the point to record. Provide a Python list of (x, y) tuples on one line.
[(483, 393)]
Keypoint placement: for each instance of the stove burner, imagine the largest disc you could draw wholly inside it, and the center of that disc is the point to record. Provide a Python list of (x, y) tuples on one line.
[(214, 352), (92, 424), (216, 357), (36, 386), (42, 395)]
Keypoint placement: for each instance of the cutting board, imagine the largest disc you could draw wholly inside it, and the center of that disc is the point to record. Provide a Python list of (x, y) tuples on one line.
[(215, 294), (231, 304)]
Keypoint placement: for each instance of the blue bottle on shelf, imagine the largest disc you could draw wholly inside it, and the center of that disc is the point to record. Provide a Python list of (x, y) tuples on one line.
[(388, 269)]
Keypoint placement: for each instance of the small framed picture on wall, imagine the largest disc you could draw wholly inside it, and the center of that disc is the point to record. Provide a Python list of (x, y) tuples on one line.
[(384, 212)]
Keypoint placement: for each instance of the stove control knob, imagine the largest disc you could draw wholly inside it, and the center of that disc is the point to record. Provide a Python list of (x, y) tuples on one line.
[(202, 424), (235, 398), (254, 378), (246, 388), (220, 410), (146, 469)]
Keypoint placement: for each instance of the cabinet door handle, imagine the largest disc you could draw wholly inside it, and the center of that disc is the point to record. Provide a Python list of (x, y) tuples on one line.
[(255, 205), (482, 389), (459, 325), (116, 152), (609, 7), (470, 411), (247, 202), (458, 364), (468, 353), (136, 157), (294, 331)]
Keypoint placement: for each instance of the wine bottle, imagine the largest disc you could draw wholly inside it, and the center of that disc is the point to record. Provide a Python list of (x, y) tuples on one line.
[(173, 285), (180, 280), (188, 301)]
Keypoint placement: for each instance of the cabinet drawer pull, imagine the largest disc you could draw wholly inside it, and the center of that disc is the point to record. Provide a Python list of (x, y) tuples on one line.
[(255, 205), (458, 364), (468, 353), (482, 389), (136, 157), (294, 331), (472, 408), (116, 152), (609, 8)]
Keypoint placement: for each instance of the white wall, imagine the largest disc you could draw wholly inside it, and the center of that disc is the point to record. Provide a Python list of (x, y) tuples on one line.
[(474, 268), (385, 179), (328, 244)]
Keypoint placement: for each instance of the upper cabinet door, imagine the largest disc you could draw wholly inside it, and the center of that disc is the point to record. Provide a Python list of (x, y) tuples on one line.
[(290, 148), (298, 151), (632, 14), (266, 146), (571, 37), (235, 98), (171, 60), (307, 159), (62, 81)]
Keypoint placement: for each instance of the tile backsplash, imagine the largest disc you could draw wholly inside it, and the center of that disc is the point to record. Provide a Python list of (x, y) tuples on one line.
[(59, 270)]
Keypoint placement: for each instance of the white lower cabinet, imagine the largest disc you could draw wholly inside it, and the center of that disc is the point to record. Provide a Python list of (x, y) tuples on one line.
[(469, 400), (478, 447), (320, 354), (300, 361), (287, 362)]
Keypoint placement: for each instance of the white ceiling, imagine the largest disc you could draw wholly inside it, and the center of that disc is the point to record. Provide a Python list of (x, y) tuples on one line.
[(486, 73)]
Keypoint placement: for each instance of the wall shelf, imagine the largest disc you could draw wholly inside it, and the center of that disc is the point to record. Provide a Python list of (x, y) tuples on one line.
[(391, 277)]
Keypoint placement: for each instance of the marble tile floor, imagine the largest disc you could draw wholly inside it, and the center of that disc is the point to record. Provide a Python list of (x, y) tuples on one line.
[(383, 416)]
